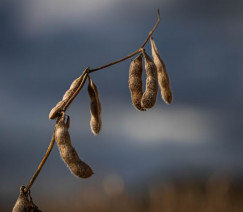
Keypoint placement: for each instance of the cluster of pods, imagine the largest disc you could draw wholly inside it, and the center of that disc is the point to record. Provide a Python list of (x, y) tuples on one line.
[(156, 77), (156, 74)]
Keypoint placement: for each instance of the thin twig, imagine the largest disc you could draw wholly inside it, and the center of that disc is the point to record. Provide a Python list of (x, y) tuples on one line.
[(48, 151), (84, 76), (134, 53), (115, 62), (152, 31)]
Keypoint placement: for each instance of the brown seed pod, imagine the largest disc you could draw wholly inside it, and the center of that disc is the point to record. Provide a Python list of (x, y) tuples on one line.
[(150, 94), (163, 77), (56, 110), (72, 89), (95, 108), (22, 204), (135, 82), (67, 151)]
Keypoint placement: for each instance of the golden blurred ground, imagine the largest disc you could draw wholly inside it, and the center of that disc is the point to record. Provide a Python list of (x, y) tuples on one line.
[(218, 195)]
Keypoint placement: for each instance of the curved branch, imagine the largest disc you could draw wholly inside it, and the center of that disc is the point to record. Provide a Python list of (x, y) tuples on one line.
[(134, 53), (115, 62), (48, 151), (152, 31)]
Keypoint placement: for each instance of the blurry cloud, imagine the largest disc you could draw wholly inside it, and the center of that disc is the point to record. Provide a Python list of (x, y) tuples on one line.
[(178, 124), (48, 14), (182, 124)]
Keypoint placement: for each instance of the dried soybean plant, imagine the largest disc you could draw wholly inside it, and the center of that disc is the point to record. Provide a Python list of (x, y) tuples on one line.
[(156, 75)]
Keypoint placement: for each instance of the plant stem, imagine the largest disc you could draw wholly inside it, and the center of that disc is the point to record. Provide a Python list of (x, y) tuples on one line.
[(134, 53), (84, 77), (152, 31), (32, 180), (115, 62)]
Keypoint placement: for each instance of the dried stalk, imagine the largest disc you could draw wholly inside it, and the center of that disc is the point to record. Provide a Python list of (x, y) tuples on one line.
[(152, 31), (84, 76), (134, 53), (48, 151)]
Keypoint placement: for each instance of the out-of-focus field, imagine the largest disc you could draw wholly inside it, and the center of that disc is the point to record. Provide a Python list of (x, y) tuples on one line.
[(218, 195)]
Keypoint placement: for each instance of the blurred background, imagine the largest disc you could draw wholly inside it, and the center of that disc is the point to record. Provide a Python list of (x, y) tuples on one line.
[(182, 157)]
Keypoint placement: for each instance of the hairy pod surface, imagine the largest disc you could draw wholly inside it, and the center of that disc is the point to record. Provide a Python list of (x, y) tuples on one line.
[(76, 85), (95, 108), (68, 153), (56, 110), (59, 107), (22, 204), (135, 82), (73, 87), (163, 78), (150, 94)]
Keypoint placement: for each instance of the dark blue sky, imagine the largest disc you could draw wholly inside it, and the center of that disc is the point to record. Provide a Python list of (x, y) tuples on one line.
[(44, 45)]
